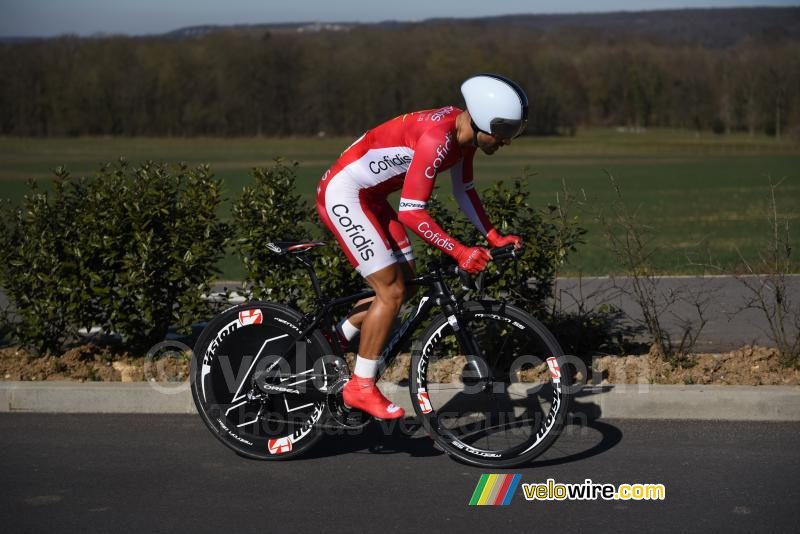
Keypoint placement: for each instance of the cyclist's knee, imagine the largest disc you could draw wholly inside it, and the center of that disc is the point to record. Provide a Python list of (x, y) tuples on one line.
[(393, 294), (389, 285)]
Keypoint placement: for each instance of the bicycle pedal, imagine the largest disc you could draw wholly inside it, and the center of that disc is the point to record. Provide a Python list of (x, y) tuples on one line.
[(355, 418)]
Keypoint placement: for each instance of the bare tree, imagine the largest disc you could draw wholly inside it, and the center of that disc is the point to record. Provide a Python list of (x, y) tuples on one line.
[(634, 243), (767, 282)]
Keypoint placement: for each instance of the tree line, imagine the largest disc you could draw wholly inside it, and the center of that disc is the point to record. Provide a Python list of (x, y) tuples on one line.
[(341, 82)]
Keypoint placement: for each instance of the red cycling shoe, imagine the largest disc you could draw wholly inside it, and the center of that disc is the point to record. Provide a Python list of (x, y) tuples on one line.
[(362, 393)]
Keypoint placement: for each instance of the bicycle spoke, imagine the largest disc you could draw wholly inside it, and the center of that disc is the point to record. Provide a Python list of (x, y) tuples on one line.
[(504, 416), (502, 350)]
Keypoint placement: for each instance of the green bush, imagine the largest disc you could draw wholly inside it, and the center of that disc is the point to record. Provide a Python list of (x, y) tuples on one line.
[(175, 242), (550, 234), (131, 250), (38, 269), (271, 210), (335, 273)]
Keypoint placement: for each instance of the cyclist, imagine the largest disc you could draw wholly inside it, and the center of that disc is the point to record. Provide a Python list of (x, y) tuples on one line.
[(407, 153)]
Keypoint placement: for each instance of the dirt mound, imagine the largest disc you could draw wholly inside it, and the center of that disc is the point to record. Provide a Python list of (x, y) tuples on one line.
[(751, 366), (89, 363), (746, 366)]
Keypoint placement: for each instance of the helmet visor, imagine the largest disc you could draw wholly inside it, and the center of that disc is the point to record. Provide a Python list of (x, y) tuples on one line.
[(508, 128)]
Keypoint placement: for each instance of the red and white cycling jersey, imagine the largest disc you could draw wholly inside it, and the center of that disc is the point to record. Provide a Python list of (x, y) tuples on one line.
[(407, 153)]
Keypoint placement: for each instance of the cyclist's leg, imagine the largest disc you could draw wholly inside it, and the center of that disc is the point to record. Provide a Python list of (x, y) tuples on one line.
[(348, 211), (361, 391), (376, 322), (389, 289), (386, 218)]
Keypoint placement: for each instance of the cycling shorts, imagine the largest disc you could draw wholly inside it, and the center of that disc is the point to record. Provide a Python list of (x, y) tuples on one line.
[(362, 220)]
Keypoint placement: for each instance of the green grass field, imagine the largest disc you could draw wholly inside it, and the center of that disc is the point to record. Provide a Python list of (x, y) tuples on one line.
[(699, 192)]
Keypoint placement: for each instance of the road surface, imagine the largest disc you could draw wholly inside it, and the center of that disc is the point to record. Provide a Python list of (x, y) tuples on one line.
[(129, 473)]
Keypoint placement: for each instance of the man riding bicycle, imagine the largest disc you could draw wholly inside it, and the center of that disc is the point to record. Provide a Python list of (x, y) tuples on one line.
[(407, 153)]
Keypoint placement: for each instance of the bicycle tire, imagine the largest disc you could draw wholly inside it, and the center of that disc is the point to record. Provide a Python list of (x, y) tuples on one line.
[(439, 398), (246, 338)]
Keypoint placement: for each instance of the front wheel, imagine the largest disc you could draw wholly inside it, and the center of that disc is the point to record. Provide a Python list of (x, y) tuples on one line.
[(511, 410)]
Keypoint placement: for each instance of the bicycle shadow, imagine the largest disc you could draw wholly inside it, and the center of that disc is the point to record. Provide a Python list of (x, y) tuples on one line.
[(583, 437), (583, 419), (561, 453), (404, 436)]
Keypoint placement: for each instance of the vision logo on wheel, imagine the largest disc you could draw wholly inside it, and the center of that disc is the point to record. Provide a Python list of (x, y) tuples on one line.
[(248, 317), (555, 370), (424, 401), (280, 445)]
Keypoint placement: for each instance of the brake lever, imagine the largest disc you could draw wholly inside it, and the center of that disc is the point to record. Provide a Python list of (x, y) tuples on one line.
[(500, 256), (480, 284), (466, 280)]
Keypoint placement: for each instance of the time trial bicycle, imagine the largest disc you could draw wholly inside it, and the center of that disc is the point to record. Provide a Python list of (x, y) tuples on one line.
[(487, 380)]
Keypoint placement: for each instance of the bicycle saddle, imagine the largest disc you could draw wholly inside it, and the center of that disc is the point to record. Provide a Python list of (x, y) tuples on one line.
[(292, 247)]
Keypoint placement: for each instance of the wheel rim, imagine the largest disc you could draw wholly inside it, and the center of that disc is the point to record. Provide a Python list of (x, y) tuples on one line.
[(509, 415), (272, 424)]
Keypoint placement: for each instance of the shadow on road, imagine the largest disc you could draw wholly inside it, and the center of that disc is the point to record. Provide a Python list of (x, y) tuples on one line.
[(378, 437), (582, 438), (579, 440)]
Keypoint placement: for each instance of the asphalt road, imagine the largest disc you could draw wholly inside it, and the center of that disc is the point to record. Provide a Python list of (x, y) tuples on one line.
[(78, 473), (728, 322)]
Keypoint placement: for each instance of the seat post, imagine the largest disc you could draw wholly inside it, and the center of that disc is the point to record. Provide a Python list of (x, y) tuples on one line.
[(313, 275)]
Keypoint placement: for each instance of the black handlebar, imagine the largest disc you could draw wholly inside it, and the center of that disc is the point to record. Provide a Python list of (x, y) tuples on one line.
[(503, 253), (499, 256)]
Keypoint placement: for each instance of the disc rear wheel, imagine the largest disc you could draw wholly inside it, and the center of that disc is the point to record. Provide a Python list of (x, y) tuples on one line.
[(259, 389)]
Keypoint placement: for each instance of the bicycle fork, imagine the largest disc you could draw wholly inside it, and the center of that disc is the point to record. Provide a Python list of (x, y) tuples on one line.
[(477, 370)]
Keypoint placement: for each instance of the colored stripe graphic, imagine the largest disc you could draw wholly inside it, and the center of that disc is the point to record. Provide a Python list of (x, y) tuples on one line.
[(495, 489), (487, 489), (511, 489), (503, 489), (498, 483), (478, 490)]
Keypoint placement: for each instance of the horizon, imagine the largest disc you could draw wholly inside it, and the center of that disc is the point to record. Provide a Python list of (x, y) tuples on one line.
[(21, 18)]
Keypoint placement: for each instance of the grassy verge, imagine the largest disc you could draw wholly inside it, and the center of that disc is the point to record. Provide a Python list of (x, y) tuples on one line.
[(704, 194)]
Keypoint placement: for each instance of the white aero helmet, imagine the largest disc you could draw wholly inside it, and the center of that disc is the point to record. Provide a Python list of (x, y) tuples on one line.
[(497, 105)]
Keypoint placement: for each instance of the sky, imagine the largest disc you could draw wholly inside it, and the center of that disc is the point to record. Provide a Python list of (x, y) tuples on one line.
[(45, 18)]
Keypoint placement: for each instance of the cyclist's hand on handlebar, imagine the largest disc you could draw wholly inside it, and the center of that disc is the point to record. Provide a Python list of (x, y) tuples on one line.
[(473, 259), (496, 240)]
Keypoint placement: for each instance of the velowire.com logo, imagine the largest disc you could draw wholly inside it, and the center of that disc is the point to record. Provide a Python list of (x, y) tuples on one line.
[(495, 489)]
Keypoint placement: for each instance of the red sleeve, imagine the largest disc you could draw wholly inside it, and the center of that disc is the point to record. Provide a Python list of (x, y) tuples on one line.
[(430, 154), (467, 197)]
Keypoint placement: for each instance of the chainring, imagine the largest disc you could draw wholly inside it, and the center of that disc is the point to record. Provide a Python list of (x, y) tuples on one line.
[(350, 418)]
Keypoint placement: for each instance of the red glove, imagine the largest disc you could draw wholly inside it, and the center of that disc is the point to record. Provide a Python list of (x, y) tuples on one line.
[(496, 240), (473, 259)]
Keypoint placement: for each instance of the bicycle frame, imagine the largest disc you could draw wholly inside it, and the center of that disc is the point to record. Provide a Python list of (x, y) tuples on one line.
[(439, 294)]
